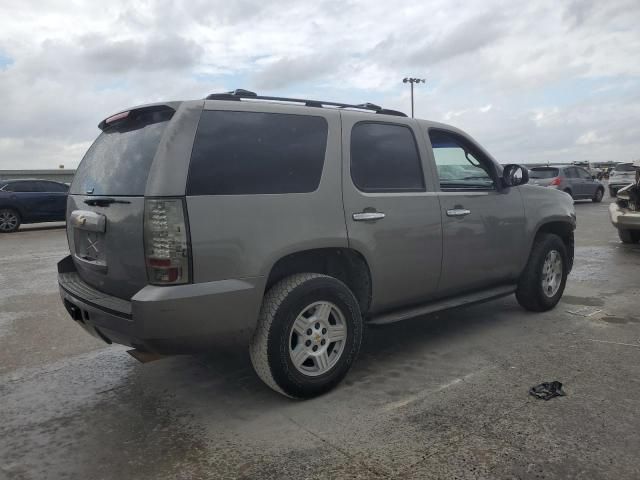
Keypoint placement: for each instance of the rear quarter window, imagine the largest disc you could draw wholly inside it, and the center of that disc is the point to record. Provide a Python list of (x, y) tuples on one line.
[(241, 153)]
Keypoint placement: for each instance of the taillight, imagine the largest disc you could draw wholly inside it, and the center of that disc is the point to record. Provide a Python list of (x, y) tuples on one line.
[(166, 244), (555, 182)]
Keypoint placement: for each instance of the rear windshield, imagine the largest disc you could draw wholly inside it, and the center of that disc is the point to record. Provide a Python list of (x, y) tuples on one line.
[(119, 161), (544, 172), (627, 167)]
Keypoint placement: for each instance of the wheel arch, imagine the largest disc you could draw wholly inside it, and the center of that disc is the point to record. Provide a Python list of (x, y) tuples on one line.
[(346, 264), (15, 207), (565, 230)]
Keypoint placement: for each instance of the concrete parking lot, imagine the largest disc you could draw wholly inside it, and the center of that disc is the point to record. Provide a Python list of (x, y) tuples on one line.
[(442, 396)]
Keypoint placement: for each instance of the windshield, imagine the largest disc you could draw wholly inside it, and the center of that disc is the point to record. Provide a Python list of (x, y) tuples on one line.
[(544, 172), (627, 167), (119, 161)]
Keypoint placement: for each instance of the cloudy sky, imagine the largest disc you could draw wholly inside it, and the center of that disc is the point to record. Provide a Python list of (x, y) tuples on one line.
[(532, 81)]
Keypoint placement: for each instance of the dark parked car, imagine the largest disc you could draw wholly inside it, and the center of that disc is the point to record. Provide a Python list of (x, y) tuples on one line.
[(31, 201), (576, 181)]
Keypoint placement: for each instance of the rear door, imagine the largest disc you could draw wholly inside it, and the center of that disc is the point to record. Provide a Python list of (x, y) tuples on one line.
[(105, 208), (588, 185), (391, 208), (572, 181), (483, 224), (52, 200)]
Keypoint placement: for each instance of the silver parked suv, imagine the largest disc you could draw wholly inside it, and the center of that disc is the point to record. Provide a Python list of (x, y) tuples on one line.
[(289, 224)]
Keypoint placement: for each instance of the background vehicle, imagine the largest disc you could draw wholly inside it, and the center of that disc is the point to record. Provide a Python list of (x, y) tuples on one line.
[(288, 226), (31, 201), (625, 211), (576, 181), (622, 175)]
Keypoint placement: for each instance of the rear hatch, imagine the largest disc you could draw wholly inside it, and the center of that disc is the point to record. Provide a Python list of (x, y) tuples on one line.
[(543, 176), (105, 208), (623, 173)]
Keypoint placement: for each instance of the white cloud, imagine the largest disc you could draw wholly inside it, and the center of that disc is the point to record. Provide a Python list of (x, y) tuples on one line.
[(532, 81)]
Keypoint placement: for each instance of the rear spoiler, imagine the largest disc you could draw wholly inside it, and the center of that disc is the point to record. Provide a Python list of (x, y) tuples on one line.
[(132, 114)]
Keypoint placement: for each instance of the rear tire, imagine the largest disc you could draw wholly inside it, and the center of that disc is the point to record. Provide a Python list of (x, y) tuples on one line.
[(568, 192), (289, 359), (628, 236), (597, 198), (540, 288), (9, 220)]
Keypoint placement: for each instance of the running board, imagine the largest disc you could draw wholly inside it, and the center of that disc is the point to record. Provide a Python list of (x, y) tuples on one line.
[(447, 303)]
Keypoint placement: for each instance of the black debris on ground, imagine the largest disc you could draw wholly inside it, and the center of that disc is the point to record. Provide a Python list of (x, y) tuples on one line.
[(547, 390)]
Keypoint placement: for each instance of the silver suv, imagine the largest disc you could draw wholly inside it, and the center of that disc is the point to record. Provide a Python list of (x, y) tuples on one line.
[(287, 225), (620, 177)]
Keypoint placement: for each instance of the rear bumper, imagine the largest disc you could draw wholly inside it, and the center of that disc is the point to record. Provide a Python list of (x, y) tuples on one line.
[(166, 320), (619, 185), (624, 218)]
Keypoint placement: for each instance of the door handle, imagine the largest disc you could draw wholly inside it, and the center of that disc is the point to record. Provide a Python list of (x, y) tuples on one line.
[(458, 212), (366, 216)]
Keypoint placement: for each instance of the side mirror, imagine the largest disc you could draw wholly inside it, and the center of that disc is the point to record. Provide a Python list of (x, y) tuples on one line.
[(514, 175)]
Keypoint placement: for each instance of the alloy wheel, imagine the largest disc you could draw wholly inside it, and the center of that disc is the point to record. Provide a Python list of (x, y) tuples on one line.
[(8, 221), (317, 338), (552, 273)]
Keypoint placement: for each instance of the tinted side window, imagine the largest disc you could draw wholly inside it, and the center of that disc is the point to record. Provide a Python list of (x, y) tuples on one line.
[(584, 174), (385, 158), (236, 153), (46, 187), (459, 164), (570, 172), (56, 187), (21, 187)]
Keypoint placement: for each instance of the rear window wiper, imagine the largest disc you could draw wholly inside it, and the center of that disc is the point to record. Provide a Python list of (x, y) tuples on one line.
[(103, 202)]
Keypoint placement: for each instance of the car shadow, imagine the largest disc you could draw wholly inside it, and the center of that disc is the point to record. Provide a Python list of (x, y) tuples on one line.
[(387, 352)]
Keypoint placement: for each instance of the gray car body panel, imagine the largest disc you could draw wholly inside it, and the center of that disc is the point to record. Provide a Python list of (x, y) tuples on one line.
[(495, 227), (404, 249), (580, 188), (415, 255), (245, 235)]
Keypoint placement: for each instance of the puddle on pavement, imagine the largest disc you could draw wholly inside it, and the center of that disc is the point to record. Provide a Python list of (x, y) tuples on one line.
[(619, 320), (585, 301)]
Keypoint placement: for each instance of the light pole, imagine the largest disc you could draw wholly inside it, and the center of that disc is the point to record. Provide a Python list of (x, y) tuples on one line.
[(412, 80)]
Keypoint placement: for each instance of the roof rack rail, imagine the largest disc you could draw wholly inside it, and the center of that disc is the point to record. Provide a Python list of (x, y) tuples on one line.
[(240, 93)]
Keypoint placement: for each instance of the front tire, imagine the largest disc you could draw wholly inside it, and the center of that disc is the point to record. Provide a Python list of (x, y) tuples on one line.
[(308, 335), (542, 283), (628, 236), (9, 220)]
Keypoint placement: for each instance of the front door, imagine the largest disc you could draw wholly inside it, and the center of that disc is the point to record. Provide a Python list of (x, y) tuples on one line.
[(483, 224), (392, 211)]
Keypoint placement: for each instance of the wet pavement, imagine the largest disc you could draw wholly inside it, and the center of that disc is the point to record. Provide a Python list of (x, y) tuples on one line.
[(442, 396)]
